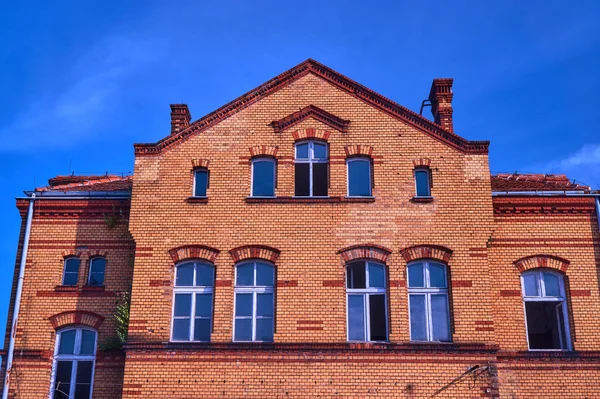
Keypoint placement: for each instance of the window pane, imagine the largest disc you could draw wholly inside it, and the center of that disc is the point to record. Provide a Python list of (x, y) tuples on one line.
[(530, 283), (418, 321), (88, 342), (302, 151), (301, 180), (62, 381), (415, 275), (83, 381), (185, 275), (202, 330), (183, 305), (356, 318), (422, 180), (376, 276), (437, 277), (320, 151), (264, 305), (201, 177), (245, 275), (243, 330), (181, 329), (243, 304), (543, 325), (205, 275), (263, 181), (70, 279), (72, 265), (320, 182), (67, 343), (377, 317), (264, 330), (439, 317), (204, 304), (97, 271), (359, 176), (551, 283), (356, 277), (264, 274)]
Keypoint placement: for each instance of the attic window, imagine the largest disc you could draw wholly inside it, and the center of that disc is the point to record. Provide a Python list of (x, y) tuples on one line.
[(200, 182), (423, 182)]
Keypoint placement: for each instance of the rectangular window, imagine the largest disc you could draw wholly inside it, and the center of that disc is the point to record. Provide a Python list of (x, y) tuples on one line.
[(263, 178), (359, 177), (311, 170), (97, 269), (422, 182), (200, 182), (71, 273)]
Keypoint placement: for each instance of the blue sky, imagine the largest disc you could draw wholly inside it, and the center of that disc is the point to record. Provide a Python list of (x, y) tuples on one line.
[(83, 81)]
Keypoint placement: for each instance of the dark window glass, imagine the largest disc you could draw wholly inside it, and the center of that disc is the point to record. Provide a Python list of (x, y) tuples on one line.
[(97, 268), (264, 305), (183, 305), (204, 305), (377, 316), (62, 382), (185, 275), (88, 342), (302, 179), (356, 275), (544, 324), (320, 180), (302, 151), (437, 276), (67, 343), (422, 181), (356, 318), (264, 274), (245, 275), (376, 276), (359, 178), (418, 323), (71, 271), (202, 330), (440, 317), (320, 151), (263, 179), (200, 183), (83, 382), (205, 275), (243, 330), (264, 329), (243, 305), (181, 329), (415, 275)]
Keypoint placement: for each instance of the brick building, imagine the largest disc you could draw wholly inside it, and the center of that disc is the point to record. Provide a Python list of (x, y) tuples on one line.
[(309, 239)]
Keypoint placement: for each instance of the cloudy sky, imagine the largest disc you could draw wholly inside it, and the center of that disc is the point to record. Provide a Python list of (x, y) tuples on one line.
[(82, 81)]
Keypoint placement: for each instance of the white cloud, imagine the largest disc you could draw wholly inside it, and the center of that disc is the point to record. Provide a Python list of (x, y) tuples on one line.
[(583, 165)]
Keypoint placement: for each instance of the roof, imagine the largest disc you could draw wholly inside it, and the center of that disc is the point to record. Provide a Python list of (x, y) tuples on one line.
[(336, 79), (72, 183), (513, 182)]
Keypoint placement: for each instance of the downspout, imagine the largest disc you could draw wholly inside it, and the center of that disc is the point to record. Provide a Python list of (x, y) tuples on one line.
[(598, 211), (13, 330)]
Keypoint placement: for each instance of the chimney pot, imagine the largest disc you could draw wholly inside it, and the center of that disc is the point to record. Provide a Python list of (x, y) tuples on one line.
[(440, 97), (180, 117)]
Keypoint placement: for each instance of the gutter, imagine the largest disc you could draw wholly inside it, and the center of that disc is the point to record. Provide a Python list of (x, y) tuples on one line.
[(13, 330), (544, 193)]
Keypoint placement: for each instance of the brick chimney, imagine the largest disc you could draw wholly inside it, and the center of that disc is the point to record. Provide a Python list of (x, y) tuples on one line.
[(180, 117), (441, 102)]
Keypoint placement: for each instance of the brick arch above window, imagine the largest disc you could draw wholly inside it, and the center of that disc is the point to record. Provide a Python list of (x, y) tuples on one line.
[(263, 151), (68, 253), (536, 261), (194, 252), (365, 251), (436, 252), (200, 163), (98, 253), (255, 252), (76, 317), (311, 133), (421, 162), (358, 150)]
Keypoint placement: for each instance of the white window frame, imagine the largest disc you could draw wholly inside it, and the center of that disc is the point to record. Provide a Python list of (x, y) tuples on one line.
[(359, 159), (311, 161), (428, 292), (262, 159), (193, 290), (366, 293), (65, 261), (205, 170), (73, 358), (566, 346), (428, 171), (254, 290), (89, 279)]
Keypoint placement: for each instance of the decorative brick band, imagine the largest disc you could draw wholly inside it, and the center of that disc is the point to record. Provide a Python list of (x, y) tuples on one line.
[(194, 252), (436, 252), (356, 150), (255, 252), (365, 251), (421, 162), (263, 151), (311, 133), (80, 317), (535, 261), (200, 163)]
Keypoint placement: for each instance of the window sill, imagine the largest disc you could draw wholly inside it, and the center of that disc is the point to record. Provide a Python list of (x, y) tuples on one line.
[(93, 288), (307, 200), (197, 200), (421, 200)]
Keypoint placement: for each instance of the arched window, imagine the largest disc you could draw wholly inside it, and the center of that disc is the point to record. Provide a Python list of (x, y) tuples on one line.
[(200, 182), (254, 302), (193, 301), (71, 271), (359, 177), (311, 169), (263, 177), (73, 366), (545, 310), (367, 301), (428, 301), (423, 182), (97, 269)]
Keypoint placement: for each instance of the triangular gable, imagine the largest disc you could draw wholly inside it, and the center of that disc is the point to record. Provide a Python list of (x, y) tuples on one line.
[(338, 80)]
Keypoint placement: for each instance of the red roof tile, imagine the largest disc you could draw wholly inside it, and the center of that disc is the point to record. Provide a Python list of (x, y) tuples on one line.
[(534, 182), (88, 183)]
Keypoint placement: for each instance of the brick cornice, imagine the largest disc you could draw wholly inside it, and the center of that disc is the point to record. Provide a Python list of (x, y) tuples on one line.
[(311, 111), (365, 251), (537, 261), (194, 252), (338, 80), (76, 317), (254, 252), (436, 252)]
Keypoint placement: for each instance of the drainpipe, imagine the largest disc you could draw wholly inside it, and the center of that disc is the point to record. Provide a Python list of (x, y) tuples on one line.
[(598, 211), (13, 330)]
